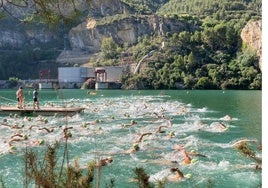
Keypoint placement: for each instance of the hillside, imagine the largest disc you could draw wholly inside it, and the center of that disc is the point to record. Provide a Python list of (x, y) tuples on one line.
[(177, 44)]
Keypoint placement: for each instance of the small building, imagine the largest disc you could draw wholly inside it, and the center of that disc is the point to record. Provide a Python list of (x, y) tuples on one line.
[(108, 77), (113, 73), (105, 77), (74, 77)]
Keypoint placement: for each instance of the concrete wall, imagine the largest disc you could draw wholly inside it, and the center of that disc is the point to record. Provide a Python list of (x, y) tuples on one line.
[(74, 77), (113, 73), (72, 74)]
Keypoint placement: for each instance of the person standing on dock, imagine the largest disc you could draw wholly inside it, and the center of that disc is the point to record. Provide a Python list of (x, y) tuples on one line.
[(35, 99), (19, 95)]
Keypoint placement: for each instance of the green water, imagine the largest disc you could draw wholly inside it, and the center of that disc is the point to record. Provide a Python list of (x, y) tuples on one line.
[(223, 167)]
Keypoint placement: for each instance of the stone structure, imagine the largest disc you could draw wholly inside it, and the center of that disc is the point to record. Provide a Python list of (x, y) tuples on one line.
[(252, 35)]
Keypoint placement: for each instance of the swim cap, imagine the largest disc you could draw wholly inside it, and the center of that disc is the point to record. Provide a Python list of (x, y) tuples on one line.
[(135, 146), (171, 133), (188, 175), (194, 160), (84, 124), (41, 141), (13, 147), (193, 151)]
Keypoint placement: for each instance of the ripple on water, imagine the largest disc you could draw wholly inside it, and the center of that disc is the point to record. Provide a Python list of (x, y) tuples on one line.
[(194, 129)]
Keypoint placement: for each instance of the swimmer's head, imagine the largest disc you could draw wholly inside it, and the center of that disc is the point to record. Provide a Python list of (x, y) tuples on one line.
[(193, 151), (41, 141), (173, 169), (188, 176), (136, 146), (194, 160), (109, 159), (171, 133)]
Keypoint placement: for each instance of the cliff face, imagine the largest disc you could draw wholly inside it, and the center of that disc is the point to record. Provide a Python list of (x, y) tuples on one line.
[(107, 8), (252, 35), (88, 35), (86, 38), (11, 38), (106, 18), (16, 35), (20, 36)]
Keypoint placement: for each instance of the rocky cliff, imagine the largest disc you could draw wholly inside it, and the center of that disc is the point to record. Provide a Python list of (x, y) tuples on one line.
[(16, 35), (126, 30), (106, 18), (252, 35)]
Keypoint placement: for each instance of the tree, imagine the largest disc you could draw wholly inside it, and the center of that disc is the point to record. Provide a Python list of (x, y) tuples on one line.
[(204, 83), (48, 11), (191, 62), (13, 82), (109, 48)]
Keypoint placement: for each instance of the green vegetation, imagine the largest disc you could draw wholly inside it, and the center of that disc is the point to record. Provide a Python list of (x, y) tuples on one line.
[(211, 56), (200, 65), (222, 9), (26, 63), (145, 7), (13, 82), (48, 172)]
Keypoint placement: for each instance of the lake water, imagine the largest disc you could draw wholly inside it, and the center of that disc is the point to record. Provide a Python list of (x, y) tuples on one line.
[(194, 117)]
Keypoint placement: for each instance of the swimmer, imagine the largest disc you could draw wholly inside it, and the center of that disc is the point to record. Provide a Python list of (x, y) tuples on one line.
[(15, 126), (226, 118), (222, 126), (141, 137), (84, 124), (42, 119), (67, 134), (176, 176), (171, 134), (187, 158), (15, 140), (180, 156), (37, 142), (158, 116), (192, 152), (242, 146), (135, 147), (160, 127), (242, 142), (46, 129), (182, 111), (30, 128), (17, 134), (132, 122), (195, 153), (104, 162), (216, 127), (178, 147), (27, 118), (4, 124)]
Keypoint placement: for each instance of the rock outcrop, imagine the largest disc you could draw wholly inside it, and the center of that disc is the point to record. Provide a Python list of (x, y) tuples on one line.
[(126, 30), (252, 35)]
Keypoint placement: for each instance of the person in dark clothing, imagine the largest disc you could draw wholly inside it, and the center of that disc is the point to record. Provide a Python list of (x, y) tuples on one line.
[(35, 99)]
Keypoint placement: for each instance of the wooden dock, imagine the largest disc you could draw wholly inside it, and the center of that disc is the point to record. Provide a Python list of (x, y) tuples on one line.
[(45, 111)]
